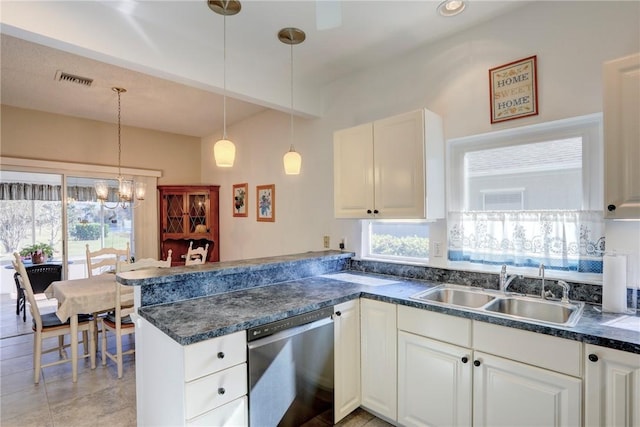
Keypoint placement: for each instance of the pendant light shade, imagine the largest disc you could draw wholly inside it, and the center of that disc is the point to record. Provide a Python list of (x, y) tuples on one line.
[(292, 162), (292, 159), (224, 151)]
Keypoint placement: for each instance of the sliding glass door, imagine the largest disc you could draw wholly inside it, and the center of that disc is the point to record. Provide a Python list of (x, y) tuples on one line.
[(59, 211)]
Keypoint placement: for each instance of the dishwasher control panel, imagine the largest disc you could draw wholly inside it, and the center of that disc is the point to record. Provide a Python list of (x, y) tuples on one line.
[(290, 322)]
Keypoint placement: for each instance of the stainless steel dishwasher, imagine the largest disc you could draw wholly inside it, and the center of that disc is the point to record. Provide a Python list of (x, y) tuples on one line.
[(291, 370)]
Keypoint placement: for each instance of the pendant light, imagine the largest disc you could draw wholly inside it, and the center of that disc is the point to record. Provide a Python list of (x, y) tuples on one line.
[(224, 151), (292, 159)]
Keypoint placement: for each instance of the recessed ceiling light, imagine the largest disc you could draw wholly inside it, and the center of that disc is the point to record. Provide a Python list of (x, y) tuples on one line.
[(451, 7)]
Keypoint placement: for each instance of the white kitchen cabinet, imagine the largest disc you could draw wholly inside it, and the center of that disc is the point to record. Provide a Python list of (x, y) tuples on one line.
[(379, 357), (434, 382), (454, 371), (508, 393), (621, 110), (346, 328), (198, 384), (392, 168), (612, 387)]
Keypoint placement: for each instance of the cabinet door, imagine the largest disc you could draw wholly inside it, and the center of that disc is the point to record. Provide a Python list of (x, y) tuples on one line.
[(198, 214), (378, 361), (173, 214), (507, 393), (398, 153), (622, 137), (346, 323), (353, 172), (612, 387), (434, 382)]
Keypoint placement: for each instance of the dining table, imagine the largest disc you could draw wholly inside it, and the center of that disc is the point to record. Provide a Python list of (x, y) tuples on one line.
[(89, 296)]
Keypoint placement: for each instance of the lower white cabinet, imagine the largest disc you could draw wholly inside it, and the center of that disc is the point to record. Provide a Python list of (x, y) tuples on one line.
[(434, 382), (378, 361), (198, 384), (501, 377), (346, 328), (508, 393), (612, 387)]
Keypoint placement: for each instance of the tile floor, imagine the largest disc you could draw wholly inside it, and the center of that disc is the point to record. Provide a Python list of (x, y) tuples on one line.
[(98, 398)]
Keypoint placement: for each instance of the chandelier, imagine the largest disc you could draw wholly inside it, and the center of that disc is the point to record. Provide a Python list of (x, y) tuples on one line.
[(128, 190)]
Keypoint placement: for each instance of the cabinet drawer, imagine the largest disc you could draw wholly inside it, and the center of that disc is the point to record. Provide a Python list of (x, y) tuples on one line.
[(215, 390), (442, 327), (233, 414), (207, 357), (545, 351)]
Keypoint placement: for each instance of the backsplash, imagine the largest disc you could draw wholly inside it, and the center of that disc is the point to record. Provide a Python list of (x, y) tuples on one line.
[(589, 293)]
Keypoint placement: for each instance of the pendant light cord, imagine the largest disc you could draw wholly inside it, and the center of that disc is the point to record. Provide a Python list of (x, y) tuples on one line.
[(119, 140), (224, 78), (291, 149)]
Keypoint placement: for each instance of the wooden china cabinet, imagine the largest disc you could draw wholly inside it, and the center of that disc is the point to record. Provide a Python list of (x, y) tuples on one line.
[(189, 213)]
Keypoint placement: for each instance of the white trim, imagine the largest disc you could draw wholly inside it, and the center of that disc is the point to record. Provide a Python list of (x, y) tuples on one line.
[(75, 167)]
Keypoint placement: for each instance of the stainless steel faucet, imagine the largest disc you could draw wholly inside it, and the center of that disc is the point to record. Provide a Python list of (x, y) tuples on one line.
[(505, 280), (565, 291), (541, 274)]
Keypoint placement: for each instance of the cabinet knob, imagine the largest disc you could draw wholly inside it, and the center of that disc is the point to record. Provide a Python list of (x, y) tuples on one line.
[(476, 363), (465, 359), (593, 357), (221, 391), (220, 355), (611, 208), (338, 313), (369, 211), (375, 211)]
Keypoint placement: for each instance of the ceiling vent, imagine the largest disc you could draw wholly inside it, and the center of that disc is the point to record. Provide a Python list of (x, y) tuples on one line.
[(61, 76)]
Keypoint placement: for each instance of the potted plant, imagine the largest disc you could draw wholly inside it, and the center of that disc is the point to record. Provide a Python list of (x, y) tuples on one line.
[(38, 252)]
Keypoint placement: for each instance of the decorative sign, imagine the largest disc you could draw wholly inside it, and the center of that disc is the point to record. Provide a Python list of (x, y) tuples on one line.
[(240, 199), (266, 203), (514, 90)]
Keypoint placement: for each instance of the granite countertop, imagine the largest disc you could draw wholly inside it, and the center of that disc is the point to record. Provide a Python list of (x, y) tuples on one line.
[(198, 319)]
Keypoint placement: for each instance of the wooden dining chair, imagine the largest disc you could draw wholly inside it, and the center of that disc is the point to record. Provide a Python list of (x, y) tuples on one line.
[(40, 277), (48, 325), (119, 321), (105, 259), (197, 255)]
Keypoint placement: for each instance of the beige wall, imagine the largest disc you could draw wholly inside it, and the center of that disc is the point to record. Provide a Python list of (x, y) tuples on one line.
[(44, 136)]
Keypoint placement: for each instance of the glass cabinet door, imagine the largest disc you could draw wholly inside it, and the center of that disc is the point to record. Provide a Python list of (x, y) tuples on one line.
[(174, 214), (198, 204)]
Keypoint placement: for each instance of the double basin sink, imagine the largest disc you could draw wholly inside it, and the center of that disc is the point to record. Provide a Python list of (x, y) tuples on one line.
[(511, 306)]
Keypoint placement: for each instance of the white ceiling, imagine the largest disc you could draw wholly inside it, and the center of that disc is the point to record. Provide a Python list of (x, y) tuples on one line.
[(169, 54)]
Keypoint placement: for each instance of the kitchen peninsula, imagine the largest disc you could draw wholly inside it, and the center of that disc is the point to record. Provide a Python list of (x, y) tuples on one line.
[(188, 312)]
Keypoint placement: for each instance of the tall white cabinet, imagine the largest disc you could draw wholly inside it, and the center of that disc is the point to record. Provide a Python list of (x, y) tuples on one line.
[(346, 328), (392, 168), (622, 137), (379, 357), (612, 387)]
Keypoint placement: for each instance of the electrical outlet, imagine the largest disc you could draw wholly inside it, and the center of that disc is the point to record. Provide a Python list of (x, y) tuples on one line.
[(326, 242), (437, 249)]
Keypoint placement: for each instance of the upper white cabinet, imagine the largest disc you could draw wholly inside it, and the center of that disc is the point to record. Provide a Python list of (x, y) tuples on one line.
[(622, 137), (612, 387), (390, 169)]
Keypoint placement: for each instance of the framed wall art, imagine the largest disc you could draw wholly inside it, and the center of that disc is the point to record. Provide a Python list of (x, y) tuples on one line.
[(266, 203), (240, 199), (514, 90)]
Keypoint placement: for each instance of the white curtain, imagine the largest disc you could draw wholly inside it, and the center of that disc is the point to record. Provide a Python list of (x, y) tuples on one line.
[(565, 240)]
